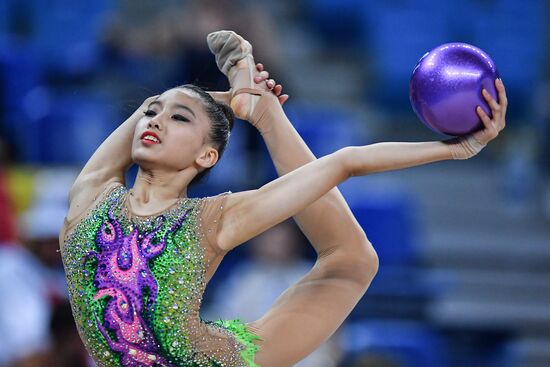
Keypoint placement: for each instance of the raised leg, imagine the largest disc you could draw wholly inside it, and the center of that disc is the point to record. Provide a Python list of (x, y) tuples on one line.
[(309, 312)]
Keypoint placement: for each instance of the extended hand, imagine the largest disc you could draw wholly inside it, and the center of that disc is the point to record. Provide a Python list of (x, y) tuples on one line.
[(465, 147), (498, 110)]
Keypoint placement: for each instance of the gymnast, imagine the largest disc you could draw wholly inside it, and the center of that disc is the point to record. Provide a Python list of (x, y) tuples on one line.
[(138, 259)]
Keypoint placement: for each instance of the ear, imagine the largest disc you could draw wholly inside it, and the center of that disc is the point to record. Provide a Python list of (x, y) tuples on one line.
[(208, 157)]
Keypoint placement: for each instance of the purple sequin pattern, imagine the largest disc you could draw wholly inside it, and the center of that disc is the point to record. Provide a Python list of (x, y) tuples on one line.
[(124, 279)]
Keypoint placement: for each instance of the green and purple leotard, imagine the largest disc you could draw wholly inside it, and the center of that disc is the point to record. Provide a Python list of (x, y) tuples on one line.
[(136, 286)]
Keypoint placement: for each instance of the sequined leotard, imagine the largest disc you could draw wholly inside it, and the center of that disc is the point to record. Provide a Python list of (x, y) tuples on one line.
[(136, 285)]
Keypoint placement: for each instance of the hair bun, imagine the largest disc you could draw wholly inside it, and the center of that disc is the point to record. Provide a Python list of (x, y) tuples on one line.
[(228, 113)]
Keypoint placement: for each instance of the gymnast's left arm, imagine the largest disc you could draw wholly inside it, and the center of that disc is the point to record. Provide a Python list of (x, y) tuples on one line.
[(249, 213), (391, 156)]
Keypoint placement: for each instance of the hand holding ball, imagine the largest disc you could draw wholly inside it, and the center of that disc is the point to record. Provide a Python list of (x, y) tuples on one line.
[(446, 84)]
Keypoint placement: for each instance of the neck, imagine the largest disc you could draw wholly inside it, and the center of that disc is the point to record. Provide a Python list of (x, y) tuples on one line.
[(160, 186)]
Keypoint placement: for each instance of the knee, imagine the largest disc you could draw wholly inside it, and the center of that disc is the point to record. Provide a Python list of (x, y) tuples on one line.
[(363, 258), (358, 262), (366, 259)]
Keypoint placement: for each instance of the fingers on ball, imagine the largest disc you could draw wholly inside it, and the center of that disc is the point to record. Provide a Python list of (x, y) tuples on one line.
[(490, 100), (483, 116), (503, 99)]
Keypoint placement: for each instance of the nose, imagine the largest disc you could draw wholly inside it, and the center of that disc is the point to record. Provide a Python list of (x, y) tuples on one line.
[(154, 122)]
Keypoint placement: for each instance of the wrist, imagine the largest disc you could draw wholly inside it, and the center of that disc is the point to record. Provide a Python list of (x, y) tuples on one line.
[(464, 147)]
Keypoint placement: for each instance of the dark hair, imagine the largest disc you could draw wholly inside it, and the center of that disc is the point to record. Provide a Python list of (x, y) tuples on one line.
[(221, 120)]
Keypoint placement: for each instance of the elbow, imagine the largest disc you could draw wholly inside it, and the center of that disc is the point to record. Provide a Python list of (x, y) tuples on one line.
[(348, 161), (356, 161)]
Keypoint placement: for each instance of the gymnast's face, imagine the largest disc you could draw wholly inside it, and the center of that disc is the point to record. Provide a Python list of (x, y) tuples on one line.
[(173, 134)]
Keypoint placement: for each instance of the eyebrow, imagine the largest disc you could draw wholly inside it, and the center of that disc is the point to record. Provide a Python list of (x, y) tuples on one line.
[(177, 105)]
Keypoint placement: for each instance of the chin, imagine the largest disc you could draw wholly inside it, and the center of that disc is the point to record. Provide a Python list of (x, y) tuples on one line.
[(152, 162), (146, 159)]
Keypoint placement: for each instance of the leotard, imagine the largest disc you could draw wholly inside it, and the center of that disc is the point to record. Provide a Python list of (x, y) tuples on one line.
[(136, 285)]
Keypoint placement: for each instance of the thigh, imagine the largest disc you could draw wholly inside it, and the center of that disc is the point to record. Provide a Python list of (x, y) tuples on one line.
[(306, 314)]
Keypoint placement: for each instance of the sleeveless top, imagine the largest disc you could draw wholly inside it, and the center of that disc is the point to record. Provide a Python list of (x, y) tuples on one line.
[(136, 286)]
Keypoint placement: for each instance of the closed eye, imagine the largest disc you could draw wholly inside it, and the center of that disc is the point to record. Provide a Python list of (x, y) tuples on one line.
[(150, 113), (180, 118)]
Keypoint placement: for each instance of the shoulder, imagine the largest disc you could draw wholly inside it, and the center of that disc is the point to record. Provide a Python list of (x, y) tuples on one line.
[(82, 203), (215, 201), (212, 207)]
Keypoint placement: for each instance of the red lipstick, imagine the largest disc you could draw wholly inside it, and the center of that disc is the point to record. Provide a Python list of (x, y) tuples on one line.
[(149, 137)]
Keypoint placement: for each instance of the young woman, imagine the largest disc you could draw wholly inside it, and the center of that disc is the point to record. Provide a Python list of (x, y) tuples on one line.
[(138, 260)]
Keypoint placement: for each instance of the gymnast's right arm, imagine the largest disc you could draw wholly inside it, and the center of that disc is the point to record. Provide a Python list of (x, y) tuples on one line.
[(107, 165)]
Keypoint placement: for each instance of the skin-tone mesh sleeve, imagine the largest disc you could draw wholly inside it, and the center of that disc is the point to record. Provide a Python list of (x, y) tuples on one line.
[(211, 211)]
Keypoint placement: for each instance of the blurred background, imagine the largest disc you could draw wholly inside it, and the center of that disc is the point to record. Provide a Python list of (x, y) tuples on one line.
[(464, 246)]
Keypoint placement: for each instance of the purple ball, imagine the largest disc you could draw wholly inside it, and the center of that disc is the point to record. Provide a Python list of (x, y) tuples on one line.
[(445, 87)]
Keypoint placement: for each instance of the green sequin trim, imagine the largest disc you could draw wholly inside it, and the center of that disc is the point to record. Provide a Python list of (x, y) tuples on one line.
[(245, 337)]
